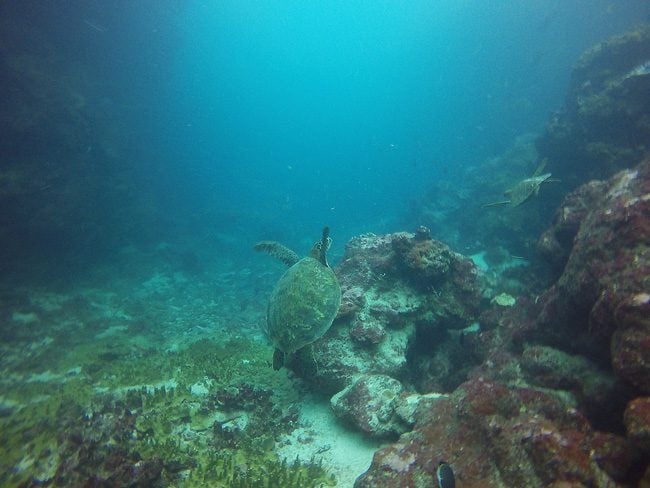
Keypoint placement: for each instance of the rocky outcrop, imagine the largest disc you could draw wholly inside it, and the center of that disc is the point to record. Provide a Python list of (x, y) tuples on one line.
[(561, 392), (600, 306), (405, 297), (369, 404), (493, 435), (637, 423), (604, 123)]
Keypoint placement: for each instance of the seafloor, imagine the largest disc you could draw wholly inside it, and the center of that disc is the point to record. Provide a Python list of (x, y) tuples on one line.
[(138, 367), (522, 360)]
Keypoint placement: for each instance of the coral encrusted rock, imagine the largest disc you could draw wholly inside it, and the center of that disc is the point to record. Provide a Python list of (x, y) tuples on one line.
[(600, 306), (637, 422), (369, 404), (604, 123), (403, 296), (494, 435)]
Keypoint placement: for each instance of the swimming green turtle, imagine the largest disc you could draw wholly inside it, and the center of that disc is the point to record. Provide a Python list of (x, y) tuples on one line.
[(525, 189), (305, 299)]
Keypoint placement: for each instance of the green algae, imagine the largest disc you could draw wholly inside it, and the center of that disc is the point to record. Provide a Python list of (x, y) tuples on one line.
[(92, 394), (154, 394), (233, 471)]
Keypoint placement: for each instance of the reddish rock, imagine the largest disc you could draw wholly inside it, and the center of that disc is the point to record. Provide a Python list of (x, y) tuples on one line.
[(619, 457), (630, 346), (598, 393), (493, 435), (637, 423), (600, 306), (556, 242), (365, 332)]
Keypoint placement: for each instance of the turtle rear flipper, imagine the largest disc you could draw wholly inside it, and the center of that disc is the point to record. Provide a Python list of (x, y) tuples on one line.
[(278, 251)]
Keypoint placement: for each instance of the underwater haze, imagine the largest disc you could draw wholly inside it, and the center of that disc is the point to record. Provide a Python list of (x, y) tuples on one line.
[(298, 114), (271, 119), (457, 195)]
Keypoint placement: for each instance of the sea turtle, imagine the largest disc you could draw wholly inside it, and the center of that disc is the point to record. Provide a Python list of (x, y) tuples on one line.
[(305, 299), (525, 189)]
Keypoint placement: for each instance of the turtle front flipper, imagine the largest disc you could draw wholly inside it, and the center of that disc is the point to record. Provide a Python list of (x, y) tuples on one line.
[(540, 167), (278, 251)]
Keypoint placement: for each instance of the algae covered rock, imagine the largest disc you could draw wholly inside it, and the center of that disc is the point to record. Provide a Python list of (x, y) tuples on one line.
[(495, 435), (637, 422), (600, 305), (403, 295), (604, 123)]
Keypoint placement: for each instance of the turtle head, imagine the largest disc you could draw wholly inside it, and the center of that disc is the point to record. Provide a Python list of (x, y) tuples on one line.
[(320, 248)]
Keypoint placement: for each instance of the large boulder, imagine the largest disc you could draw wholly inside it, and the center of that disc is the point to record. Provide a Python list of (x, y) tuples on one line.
[(405, 297), (600, 306), (369, 404), (495, 435)]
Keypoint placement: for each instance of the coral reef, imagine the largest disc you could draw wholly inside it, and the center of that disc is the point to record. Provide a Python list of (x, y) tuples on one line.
[(600, 304), (518, 400), (405, 298), (158, 375), (561, 392), (493, 435), (369, 404)]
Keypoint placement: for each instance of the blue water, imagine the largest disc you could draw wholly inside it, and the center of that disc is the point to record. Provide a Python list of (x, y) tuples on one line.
[(286, 115), (146, 145), (267, 120)]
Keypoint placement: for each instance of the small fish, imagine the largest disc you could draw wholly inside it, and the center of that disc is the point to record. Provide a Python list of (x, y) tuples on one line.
[(445, 476), (97, 27)]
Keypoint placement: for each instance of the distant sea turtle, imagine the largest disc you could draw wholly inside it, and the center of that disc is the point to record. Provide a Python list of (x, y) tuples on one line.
[(305, 299), (525, 189)]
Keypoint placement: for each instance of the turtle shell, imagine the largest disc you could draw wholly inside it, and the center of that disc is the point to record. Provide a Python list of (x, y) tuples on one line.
[(303, 305)]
